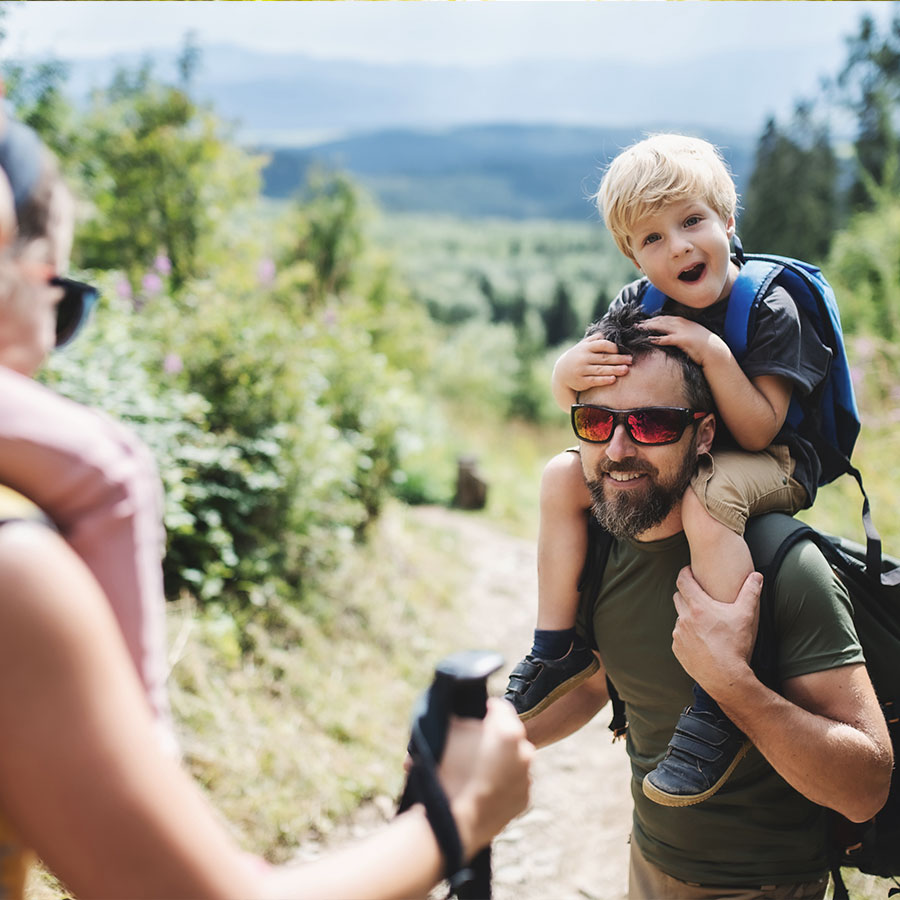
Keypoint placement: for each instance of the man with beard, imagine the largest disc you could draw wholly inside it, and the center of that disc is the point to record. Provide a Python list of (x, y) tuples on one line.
[(820, 742)]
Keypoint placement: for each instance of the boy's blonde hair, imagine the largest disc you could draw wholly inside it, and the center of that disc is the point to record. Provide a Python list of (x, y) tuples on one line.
[(659, 170)]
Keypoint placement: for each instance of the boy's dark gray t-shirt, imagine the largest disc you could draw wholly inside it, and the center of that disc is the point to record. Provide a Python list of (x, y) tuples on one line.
[(757, 829), (784, 342)]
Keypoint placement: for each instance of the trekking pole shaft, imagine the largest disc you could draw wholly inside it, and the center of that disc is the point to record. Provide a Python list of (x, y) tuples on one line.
[(470, 701)]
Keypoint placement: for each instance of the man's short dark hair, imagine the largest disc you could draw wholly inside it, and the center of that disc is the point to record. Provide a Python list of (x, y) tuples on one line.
[(622, 325)]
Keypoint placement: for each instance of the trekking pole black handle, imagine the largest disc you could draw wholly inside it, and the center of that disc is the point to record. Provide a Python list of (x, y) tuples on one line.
[(459, 688), (470, 671)]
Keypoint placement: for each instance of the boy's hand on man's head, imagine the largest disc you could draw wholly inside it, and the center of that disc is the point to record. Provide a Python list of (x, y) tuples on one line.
[(700, 344), (592, 362)]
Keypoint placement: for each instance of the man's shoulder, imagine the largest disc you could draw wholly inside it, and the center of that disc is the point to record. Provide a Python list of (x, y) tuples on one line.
[(766, 536)]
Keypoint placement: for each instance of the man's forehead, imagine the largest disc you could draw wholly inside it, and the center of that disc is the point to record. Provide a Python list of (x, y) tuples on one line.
[(653, 379)]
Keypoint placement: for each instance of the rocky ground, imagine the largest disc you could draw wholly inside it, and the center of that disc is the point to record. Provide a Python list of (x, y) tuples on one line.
[(572, 842)]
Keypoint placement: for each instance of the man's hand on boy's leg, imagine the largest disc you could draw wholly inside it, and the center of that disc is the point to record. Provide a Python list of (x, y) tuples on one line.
[(713, 640)]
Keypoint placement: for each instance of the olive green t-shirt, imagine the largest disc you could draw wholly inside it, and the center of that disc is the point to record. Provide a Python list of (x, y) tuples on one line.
[(757, 829)]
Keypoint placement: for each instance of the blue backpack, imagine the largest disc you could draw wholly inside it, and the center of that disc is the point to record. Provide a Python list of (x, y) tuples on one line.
[(828, 418)]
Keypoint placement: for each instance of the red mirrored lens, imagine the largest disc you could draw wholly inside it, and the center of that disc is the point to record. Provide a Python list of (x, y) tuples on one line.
[(656, 426), (648, 425), (592, 424)]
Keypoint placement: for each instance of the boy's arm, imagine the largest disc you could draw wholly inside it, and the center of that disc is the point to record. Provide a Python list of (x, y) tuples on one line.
[(592, 362), (753, 410)]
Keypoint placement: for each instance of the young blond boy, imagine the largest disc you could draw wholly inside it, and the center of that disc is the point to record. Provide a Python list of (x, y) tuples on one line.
[(670, 203)]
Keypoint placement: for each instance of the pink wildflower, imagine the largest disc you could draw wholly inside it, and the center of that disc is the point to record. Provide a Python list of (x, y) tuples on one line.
[(152, 283), (265, 272)]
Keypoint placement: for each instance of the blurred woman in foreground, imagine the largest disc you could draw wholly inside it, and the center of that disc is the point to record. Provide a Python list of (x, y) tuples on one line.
[(84, 780)]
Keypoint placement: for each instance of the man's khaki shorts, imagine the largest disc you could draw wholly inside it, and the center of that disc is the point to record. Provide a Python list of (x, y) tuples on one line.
[(647, 882)]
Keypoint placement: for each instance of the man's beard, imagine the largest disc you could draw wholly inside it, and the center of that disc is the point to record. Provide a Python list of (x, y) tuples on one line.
[(627, 514)]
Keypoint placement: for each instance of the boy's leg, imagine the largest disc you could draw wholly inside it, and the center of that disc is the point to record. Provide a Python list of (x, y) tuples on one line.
[(558, 661), (711, 542), (734, 484), (706, 746)]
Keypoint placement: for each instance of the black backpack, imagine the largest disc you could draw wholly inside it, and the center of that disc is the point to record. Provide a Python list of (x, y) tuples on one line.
[(872, 847)]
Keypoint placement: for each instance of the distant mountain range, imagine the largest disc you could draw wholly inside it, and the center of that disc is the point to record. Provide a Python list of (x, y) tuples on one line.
[(279, 98), (512, 171), (519, 139)]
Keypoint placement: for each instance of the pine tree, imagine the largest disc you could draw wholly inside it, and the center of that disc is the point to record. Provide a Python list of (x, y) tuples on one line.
[(560, 319), (791, 206)]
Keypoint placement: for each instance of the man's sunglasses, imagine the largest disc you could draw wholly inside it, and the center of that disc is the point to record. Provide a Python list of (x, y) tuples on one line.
[(653, 425), (74, 308)]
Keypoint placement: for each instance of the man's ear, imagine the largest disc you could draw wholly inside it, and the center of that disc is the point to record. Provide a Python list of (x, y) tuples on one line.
[(730, 226), (706, 431)]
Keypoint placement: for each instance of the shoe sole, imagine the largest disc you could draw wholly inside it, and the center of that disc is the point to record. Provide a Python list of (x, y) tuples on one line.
[(560, 690), (665, 799)]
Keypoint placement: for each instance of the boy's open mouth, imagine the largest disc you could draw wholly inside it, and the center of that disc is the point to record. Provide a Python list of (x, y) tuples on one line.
[(692, 274)]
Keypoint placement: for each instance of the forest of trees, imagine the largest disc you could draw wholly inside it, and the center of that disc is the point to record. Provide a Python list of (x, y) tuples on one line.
[(835, 158)]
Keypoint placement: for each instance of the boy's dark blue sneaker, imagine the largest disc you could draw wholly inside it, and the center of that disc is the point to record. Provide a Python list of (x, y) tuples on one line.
[(535, 683), (701, 756)]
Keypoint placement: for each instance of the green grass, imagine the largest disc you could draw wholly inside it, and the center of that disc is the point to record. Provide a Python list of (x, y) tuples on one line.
[(312, 719), (838, 507)]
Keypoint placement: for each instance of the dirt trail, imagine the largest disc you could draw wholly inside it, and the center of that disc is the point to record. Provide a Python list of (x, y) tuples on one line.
[(572, 842)]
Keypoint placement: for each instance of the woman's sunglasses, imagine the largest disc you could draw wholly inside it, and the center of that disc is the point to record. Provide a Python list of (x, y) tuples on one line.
[(647, 425), (74, 308)]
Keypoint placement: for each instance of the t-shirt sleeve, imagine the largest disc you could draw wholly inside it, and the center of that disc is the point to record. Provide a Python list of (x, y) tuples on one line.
[(785, 343), (813, 616)]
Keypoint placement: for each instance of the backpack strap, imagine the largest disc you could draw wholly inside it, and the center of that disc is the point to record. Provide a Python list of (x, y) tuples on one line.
[(618, 724), (770, 538), (652, 299), (754, 278), (600, 542)]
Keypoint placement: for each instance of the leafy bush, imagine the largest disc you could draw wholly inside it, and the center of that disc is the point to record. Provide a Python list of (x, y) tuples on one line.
[(279, 430), (864, 266)]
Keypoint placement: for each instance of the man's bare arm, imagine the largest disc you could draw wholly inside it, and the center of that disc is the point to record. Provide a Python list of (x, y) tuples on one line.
[(826, 736), (569, 713)]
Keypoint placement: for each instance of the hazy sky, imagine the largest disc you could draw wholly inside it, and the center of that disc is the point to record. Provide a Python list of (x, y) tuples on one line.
[(439, 31)]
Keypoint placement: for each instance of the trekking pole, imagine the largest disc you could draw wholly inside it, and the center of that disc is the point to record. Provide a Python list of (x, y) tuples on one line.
[(459, 688)]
